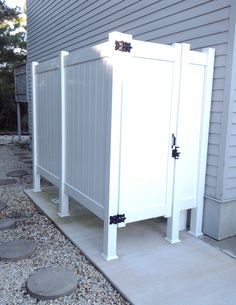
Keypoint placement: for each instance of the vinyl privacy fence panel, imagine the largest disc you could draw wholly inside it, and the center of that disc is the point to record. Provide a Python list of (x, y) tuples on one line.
[(122, 127), (88, 108), (48, 123)]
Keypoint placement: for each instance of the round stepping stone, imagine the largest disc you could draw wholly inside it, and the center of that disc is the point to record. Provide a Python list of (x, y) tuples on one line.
[(51, 283), (17, 173), (7, 181), (2, 205), (15, 250), (6, 224)]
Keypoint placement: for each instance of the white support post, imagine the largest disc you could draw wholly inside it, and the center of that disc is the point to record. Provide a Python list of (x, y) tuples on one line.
[(183, 220), (18, 120), (173, 222), (197, 213), (112, 206), (63, 197), (36, 176), (109, 241), (196, 219)]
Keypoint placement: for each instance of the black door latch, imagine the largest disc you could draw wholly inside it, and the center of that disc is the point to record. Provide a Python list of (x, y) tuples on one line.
[(175, 152)]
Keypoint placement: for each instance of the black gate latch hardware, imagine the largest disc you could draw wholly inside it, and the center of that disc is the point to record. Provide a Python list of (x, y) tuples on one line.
[(175, 152), (117, 219), (123, 46)]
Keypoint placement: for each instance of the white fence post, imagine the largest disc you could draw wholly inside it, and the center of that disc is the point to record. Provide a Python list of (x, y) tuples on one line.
[(112, 206), (173, 222), (63, 197), (36, 176), (197, 213)]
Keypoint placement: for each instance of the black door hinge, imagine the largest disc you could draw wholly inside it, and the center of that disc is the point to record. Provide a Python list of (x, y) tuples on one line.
[(123, 46), (117, 219), (175, 152)]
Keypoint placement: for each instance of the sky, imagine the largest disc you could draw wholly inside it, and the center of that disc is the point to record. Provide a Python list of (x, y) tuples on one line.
[(20, 3), (14, 3)]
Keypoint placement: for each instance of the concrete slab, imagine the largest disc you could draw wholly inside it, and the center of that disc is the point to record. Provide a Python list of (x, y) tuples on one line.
[(6, 224), (15, 250), (51, 283), (150, 271), (17, 173), (7, 181)]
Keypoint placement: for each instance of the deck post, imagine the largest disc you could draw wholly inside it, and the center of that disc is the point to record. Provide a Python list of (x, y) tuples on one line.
[(36, 176), (63, 197)]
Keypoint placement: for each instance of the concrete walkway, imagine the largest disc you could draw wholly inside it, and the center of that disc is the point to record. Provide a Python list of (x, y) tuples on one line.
[(150, 271)]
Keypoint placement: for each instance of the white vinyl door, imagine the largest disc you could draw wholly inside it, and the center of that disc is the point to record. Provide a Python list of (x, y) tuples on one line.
[(189, 137), (146, 172)]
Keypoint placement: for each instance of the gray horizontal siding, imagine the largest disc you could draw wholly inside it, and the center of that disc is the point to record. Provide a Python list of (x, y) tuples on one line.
[(232, 161), (168, 20), (69, 25)]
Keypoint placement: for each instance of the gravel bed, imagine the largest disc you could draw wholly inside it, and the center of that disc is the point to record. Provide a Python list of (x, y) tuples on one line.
[(53, 248)]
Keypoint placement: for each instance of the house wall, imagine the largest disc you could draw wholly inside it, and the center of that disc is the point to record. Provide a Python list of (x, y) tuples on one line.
[(229, 166), (220, 212), (69, 25)]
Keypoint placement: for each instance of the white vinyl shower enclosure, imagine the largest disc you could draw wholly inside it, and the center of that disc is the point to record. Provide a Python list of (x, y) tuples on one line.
[(122, 127)]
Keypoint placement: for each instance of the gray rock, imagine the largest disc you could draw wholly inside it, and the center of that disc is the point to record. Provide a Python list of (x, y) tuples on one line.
[(23, 219), (51, 283), (6, 224), (15, 250)]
